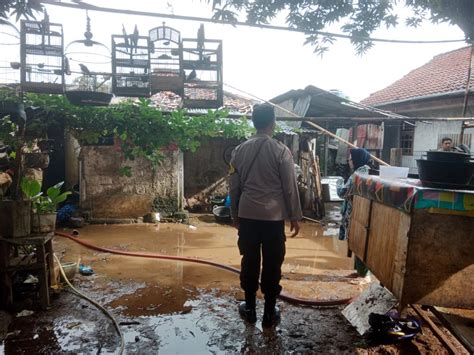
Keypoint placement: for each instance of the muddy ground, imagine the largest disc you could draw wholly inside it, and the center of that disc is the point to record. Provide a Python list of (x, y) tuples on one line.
[(172, 307)]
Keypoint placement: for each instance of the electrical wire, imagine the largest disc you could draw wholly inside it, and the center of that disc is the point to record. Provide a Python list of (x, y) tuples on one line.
[(86, 6), (107, 313)]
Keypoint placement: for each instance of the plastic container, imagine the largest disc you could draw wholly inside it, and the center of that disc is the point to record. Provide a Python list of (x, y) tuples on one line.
[(393, 172)]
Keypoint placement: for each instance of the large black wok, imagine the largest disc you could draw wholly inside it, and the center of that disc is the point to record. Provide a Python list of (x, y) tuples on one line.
[(445, 174)]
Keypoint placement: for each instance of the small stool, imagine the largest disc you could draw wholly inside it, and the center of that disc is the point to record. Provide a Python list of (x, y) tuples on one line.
[(27, 254)]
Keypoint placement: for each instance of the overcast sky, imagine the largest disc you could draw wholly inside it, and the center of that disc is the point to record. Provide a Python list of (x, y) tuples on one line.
[(267, 63)]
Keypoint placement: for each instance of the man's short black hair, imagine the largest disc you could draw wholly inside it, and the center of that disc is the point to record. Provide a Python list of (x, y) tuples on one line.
[(445, 139), (263, 115)]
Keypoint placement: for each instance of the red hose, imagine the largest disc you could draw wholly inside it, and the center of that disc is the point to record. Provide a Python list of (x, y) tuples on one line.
[(283, 296)]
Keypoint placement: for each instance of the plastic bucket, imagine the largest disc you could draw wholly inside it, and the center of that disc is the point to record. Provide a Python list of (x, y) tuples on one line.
[(393, 172)]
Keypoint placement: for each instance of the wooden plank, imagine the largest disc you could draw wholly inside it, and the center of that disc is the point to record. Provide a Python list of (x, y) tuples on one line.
[(358, 225), (452, 349), (440, 261), (459, 323), (43, 277), (387, 243)]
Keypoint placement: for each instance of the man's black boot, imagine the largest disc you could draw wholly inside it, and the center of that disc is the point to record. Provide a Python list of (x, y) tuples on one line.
[(247, 308), (271, 314)]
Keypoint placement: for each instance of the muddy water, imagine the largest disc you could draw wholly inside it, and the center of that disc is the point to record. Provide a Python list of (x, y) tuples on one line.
[(313, 265), (182, 307), (187, 308)]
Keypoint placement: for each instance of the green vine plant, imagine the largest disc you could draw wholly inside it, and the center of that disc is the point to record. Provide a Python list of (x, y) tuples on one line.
[(143, 130)]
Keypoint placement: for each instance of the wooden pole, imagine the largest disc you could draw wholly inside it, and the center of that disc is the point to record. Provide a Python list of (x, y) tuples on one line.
[(317, 182), (466, 95), (396, 156)]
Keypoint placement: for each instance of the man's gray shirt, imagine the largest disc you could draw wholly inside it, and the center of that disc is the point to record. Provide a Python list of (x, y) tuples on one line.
[(269, 191)]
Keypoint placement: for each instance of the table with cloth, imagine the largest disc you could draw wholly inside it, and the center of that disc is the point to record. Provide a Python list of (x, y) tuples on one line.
[(418, 241)]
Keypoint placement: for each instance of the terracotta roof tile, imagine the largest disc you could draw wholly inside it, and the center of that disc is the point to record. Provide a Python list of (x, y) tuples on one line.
[(169, 101), (445, 73)]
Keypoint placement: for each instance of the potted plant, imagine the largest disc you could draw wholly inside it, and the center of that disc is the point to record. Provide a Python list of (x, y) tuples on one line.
[(45, 207), (15, 214), (43, 219)]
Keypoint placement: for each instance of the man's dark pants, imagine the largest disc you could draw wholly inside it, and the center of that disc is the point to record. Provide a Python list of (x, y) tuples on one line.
[(261, 240)]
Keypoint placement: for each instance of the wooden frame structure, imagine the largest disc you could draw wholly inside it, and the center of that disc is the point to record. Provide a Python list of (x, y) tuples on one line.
[(42, 58), (131, 65), (202, 62), (22, 256), (166, 60), (423, 257)]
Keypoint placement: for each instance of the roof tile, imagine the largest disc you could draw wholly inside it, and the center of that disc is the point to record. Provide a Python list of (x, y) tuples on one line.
[(445, 73)]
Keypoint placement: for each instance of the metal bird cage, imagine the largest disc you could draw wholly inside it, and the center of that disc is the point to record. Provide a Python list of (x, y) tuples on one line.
[(166, 56), (131, 65), (42, 47), (88, 71), (202, 63), (10, 58)]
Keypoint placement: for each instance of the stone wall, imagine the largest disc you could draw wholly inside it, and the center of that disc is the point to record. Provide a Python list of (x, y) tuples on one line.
[(105, 193)]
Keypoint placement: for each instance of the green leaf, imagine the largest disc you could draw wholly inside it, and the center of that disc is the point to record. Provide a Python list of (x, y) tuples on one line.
[(125, 171), (61, 198), (31, 188), (53, 192)]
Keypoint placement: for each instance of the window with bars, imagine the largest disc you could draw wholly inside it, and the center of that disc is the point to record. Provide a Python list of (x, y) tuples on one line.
[(407, 134)]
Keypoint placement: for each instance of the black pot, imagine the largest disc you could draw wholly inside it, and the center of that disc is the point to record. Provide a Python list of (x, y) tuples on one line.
[(436, 155), (445, 174), (88, 98), (222, 214)]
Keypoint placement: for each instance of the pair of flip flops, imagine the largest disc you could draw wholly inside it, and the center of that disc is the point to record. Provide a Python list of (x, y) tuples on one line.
[(393, 328)]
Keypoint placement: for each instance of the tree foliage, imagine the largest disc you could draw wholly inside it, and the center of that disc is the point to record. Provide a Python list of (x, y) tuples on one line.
[(142, 130), (18, 8), (357, 18)]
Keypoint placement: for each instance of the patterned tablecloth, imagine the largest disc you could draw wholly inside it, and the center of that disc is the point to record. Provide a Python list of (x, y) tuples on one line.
[(408, 194)]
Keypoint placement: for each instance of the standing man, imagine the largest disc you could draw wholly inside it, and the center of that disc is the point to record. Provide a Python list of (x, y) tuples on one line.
[(446, 144), (264, 193)]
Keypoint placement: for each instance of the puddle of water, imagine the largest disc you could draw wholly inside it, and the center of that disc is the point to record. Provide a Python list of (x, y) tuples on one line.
[(163, 299), (310, 253), (154, 300), (178, 333), (330, 232)]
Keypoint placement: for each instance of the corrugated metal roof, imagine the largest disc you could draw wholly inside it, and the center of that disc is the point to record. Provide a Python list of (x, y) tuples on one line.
[(326, 104)]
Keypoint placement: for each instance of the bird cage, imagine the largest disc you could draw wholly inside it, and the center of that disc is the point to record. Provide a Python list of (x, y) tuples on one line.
[(88, 71), (42, 48), (130, 64), (166, 56), (202, 63), (10, 58)]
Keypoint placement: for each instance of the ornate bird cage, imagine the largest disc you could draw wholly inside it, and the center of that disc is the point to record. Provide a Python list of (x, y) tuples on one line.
[(131, 64), (166, 60), (10, 58), (42, 48), (202, 63), (88, 71)]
